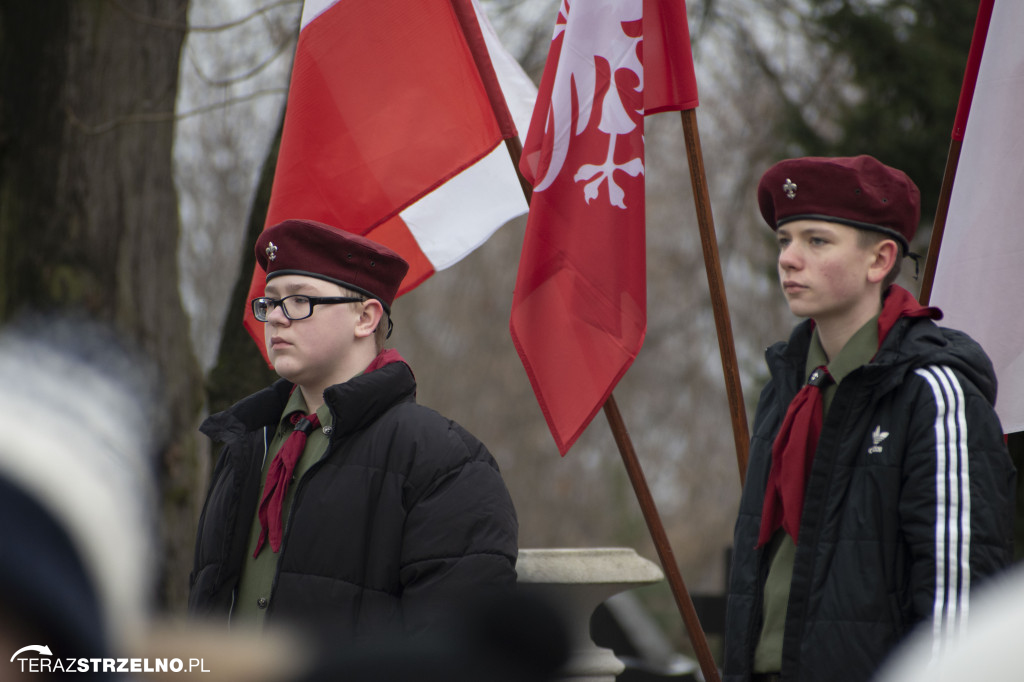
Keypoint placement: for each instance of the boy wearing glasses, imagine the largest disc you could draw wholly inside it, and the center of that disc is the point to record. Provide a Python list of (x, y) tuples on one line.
[(338, 502)]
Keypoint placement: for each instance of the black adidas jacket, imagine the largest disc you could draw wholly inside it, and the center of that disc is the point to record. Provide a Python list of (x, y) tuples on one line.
[(909, 505)]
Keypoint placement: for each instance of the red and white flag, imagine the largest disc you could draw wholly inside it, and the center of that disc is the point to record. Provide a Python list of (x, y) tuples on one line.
[(579, 313), (393, 130), (979, 276)]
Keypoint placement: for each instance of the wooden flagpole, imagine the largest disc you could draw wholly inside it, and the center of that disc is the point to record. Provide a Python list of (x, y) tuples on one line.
[(941, 211), (661, 544), (712, 265), (963, 109)]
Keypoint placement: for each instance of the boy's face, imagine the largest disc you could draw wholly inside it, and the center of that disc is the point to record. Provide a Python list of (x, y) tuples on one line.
[(825, 271), (310, 351)]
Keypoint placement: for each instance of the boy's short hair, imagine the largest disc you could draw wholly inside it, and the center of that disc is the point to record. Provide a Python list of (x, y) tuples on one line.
[(867, 239), (383, 330), (858, 191)]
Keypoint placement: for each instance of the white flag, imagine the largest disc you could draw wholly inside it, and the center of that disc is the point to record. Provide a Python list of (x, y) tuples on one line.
[(979, 276)]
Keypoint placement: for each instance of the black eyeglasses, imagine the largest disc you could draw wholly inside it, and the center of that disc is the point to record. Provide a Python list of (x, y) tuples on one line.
[(297, 306)]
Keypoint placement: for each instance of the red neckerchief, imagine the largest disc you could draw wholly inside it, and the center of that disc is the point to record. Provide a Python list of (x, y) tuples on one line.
[(283, 465), (278, 476), (797, 440), (901, 303), (385, 357)]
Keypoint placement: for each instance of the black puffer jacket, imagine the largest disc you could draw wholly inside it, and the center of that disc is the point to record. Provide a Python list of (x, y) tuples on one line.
[(405, 513), (909, 505)]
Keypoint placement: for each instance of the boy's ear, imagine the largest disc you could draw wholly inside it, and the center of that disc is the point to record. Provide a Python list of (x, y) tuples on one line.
[(369, 318), (884, 256)]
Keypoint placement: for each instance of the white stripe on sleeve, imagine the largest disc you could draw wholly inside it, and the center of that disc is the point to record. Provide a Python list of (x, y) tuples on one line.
[(952, 507)]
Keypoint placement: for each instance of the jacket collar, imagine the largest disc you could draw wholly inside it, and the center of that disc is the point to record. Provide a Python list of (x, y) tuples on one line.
[(360, 400), (353, 404), (911, 342), (260, 409)]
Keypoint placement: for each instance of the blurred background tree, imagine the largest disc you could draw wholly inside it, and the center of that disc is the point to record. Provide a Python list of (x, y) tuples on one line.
[(893, 93), (88, 207)]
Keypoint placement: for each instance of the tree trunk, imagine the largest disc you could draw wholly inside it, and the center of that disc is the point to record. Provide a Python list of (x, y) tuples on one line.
[(240, 368), (88, 207)]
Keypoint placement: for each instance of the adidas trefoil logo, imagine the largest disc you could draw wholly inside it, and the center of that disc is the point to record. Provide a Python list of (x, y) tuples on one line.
[(878, 435)]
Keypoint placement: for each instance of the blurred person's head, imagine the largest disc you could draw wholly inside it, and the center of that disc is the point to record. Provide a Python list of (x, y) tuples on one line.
[(80, 423)]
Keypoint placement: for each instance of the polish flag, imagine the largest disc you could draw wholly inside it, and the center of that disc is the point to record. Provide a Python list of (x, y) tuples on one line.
[(979, 277), (394, 129), (579, 312)]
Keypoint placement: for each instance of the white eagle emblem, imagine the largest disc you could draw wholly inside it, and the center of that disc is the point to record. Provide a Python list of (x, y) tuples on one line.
[(596, 32)]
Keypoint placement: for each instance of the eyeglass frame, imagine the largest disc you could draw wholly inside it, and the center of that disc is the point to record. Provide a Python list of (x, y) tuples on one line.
[(313, 302)]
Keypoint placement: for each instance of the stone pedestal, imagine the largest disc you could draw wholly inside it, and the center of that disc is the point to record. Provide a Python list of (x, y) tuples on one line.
[(577, 581)]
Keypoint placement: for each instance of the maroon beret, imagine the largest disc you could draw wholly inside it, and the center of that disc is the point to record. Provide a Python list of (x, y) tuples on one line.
[(859, 191), (306, 247)]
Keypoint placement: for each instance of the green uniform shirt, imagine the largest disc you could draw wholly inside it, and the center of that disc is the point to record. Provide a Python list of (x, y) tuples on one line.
[(257, 577), (858, 351)]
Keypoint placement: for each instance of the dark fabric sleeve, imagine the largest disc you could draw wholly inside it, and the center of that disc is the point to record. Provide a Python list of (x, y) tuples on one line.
[(957, 500), (222, 533), (461, 534)]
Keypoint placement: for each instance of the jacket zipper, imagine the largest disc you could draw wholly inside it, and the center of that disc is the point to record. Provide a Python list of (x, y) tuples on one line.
[(234, 592)]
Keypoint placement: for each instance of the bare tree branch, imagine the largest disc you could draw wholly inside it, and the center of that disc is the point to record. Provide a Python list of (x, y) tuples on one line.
[(178, 26), (251, 73), (163, 116)]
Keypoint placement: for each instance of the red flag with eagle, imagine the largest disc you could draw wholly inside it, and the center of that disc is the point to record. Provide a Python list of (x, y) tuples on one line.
[(393, 130), (579, 312)]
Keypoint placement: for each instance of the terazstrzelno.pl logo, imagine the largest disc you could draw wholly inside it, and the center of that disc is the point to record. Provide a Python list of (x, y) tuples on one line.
[(36, 658)]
